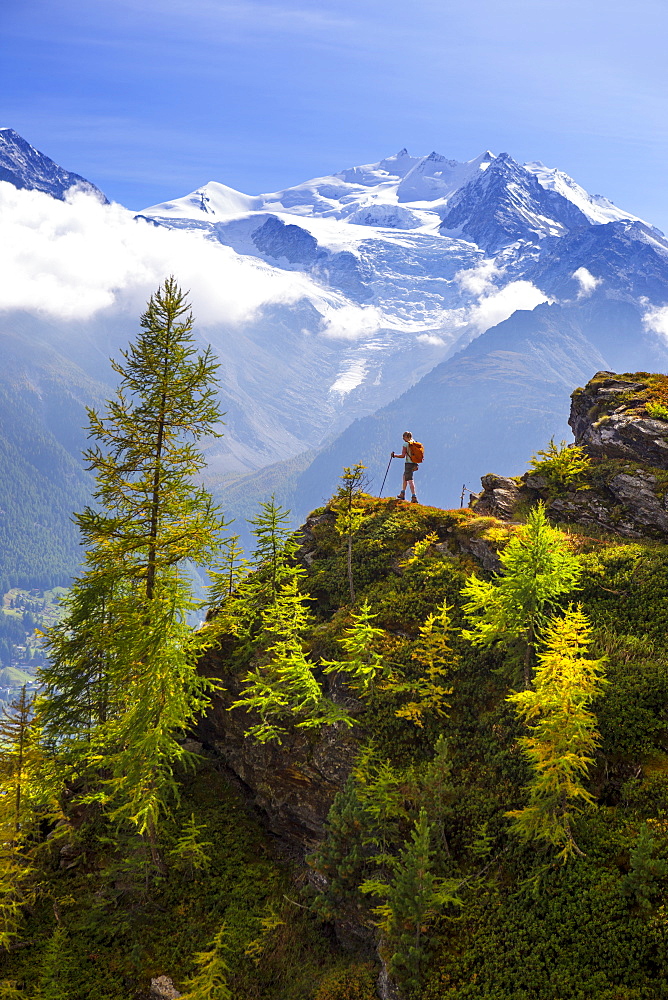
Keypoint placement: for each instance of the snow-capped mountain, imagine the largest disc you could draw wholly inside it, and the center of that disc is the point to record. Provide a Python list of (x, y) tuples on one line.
[(424, 244), (327, 301), (417, 254), (413, 192), (25, 167)]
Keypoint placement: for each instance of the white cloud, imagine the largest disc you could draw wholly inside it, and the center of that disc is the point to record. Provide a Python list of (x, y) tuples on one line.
[(479, 280), (494, 303), (74, 260), (587, 282), (656, 319), (351, 322), (70, 260), (501, 303), (430, 339)]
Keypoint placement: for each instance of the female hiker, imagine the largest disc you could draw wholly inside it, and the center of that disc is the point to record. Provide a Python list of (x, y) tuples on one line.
[(413, 453)]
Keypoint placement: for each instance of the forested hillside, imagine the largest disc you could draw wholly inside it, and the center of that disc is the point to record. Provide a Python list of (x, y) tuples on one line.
[(38, 541), (412, 752)]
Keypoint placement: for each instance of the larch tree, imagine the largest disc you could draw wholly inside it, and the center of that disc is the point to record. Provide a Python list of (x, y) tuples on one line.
[(413, 898), (211, 980), (538, 570), (282, 684), (563, 733), (362, 663), (349, 517), (20, 801), (122, 684)]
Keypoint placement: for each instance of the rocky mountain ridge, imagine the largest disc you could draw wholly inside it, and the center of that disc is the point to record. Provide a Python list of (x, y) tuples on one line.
[(26, 168)]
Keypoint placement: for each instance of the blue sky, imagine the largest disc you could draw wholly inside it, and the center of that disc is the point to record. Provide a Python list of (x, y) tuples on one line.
[(151, 99)]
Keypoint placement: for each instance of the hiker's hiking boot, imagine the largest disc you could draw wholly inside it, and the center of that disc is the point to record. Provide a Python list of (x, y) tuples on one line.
[(401, 496), (414, 499)]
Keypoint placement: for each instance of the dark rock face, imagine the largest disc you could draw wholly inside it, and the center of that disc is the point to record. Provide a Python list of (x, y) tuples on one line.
[(293, 782), (607, 427), (280, 240), (276, 239), (505, 204), (627, 506), (629, 256)]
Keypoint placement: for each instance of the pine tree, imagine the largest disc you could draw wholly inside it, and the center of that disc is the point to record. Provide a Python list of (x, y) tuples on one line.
[(154, 517), (643, 881), (58, 969), (435, 658), (190, 853), (413, 897), (342, 856), (283, 684), (9, 990), (538, 570), (76, 679), (122, 682), (227, 571), (380, 788), (563, 733), (20, 798), (256, 584), (562, 465), (17, 761)]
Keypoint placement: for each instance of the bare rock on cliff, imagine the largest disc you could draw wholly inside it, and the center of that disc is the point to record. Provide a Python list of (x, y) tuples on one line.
[(629, 505), (499, 498), (609, 418), (625, 490), (293, 782)]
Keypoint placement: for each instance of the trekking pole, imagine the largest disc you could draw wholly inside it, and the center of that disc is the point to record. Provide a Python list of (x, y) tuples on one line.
[(465, 489), (385, 476)]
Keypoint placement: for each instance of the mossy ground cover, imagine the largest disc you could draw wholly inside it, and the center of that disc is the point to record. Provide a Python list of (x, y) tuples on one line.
[(119, 925), (529, 928)]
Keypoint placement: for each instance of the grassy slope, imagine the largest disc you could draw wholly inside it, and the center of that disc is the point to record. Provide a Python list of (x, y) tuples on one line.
[(529, 929)]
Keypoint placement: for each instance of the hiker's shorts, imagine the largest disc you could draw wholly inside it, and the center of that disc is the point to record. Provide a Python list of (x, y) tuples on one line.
[(409, 469)]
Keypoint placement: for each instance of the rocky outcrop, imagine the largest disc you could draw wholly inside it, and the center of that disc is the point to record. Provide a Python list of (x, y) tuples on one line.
[(293, 782), (162, 988), (628, 505), (499, 498), (624, 491), (608, 419)]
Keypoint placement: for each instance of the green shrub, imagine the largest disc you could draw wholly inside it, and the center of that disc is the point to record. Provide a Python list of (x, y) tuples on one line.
[(657, 410), (562, 465)]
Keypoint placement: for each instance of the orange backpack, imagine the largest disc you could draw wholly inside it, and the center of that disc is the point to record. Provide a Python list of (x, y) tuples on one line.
[(416, 452)]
